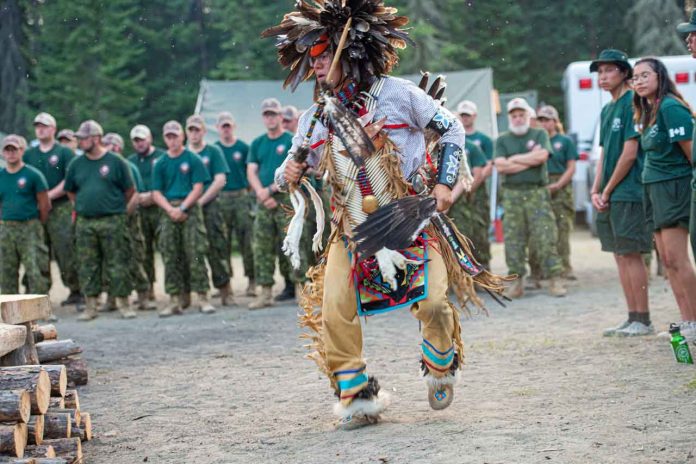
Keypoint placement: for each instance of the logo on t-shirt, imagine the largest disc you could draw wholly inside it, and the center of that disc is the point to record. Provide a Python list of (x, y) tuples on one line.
[(184, 168), (477, 142), (558, 145), (654, 130), (53, 160), (206, 160), (616, 125), (280, 149), (237, 156), (530, 144), (104, 170), (22, 182)]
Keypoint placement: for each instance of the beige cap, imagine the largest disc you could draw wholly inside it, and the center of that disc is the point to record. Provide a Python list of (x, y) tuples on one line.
[(14, 140), (290, 112), (45, 119), (141, 131), (172, 127), (271, 105), (196, 121), (66, 134), (89, 128), (518, 104), (225, 118), (467, 107), (548, 112), (113, 138)]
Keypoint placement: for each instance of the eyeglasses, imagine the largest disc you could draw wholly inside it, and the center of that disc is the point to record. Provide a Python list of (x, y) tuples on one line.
[(642, 77)]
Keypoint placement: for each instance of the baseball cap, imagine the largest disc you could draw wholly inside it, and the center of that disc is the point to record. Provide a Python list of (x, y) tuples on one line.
[(66, 134), (13, 140), (467, 107), (45, 119), (89, 128), (548, 112), (290, 112), (172, 127), (611, 55), (141, 131), (518, 104), (113, 138), (685, 28), (196, 121), (271, 105), (225, 118)]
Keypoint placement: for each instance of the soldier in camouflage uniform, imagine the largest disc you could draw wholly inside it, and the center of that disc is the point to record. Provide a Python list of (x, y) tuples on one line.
[(52, 160), (177, 184), (100, 185), (521, 156), (24, 203)]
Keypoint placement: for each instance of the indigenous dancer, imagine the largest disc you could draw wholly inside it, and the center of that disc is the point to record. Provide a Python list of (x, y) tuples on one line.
[(373, 136)]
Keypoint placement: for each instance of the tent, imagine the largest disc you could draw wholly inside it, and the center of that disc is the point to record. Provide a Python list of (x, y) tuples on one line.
[(243, 100)]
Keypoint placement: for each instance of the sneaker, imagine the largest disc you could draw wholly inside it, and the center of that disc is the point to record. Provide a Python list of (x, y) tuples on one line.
[(612, 331), (636, 329)]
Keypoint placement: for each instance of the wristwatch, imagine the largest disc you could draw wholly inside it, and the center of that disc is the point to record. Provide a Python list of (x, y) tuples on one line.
[(182, 208)]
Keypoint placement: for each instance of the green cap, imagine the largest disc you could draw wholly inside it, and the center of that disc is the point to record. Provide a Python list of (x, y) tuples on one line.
[(685, 28), (611, 55)]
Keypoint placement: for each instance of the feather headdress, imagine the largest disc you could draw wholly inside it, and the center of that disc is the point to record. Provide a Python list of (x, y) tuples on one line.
[(370, 49)]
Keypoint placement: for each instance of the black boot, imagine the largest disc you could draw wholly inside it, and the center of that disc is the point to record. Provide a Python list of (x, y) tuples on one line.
[(75, 298), (288, 293)]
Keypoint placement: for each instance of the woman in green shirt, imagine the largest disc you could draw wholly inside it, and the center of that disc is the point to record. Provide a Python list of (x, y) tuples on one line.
[(666, 124)]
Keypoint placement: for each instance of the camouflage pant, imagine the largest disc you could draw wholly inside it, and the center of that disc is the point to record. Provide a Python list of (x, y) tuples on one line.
[(23, 242), (218, 244), (564, 213), (60, 235), (236, 210), (149, 222), (139, 276), (269, 232), (184, 246), (102, 245), (529, 221), (467, 216)]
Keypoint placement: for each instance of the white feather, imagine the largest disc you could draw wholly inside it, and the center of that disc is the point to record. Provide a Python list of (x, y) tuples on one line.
[(319, 210), (372, 407), (388, 261), (291, 243)]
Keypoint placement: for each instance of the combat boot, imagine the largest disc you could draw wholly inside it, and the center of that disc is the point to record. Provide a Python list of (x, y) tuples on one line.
[(226, 295), (173, 307), (185, 299), (556, 288), (204, 305), (264, 300), (124, 308), (90, 311), (516, 289), (109, 305), (288, 292), (251, 288), (144, 303)]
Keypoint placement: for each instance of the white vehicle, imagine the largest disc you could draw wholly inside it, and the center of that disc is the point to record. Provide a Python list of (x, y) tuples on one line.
[(583, 104)]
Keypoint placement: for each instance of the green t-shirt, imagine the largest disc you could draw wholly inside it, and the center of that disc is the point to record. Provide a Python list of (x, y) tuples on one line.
[(236, 157), (137, 178), (18, 193), (145, 164), (693, 153), (484, 142), (509, 144), (53, 164), (99, 185), (175, 177), (664, 158), (616, 127), (214, 162), (563, 151), (269, 154), (477, 159)]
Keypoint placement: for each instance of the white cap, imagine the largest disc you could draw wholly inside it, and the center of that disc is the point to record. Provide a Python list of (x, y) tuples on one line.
[(45, 119), (141, 131), (467, 107), (518, 104)]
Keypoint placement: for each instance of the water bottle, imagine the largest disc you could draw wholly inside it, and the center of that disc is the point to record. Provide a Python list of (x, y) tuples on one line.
[(679, 345)]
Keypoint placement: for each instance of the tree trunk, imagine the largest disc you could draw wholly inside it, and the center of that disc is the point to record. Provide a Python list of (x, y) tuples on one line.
[(72, 400), (13, 439), (39, 451), (84, 430), (57, 373), (15, 405), (74, 413), (69, 448), (77, 371), (25, 354), (57, 425), (44, 332), (36, 383), (35, 428), (53, 350), (56, 403)]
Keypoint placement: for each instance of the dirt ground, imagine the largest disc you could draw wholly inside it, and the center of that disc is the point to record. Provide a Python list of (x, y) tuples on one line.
[(540, 385)]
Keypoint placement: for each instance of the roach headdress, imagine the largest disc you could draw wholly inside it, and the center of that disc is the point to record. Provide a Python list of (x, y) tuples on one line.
[(371, 47)]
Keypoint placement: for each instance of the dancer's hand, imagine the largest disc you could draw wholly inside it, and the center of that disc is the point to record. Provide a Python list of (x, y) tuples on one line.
[(293, 171), (443, 195)]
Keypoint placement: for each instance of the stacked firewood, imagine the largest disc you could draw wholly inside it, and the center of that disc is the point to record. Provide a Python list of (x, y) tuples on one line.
[(50, 350)]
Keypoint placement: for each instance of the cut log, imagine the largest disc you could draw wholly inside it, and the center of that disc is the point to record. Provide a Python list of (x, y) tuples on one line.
[(13, 439), (9, 460), (56, 402), (35, 429), (11, 337), (68, 448), (15, 405), (39, 451), (84, 430), (18, 309), (44, 332), (74, 413), (72, 400), (37, 383), (57, 374), (25, 354), (53, 350), (77, 371), (57, 425), (53, 461)]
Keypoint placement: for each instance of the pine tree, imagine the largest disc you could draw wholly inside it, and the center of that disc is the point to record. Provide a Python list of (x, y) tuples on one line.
[(653, 23)]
